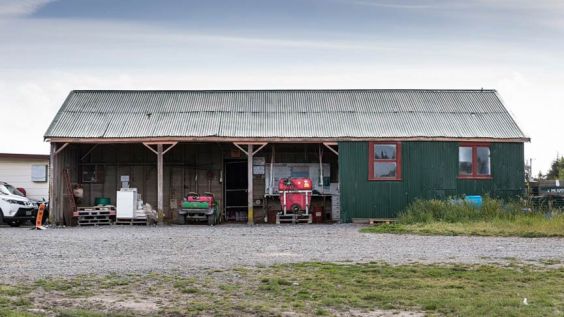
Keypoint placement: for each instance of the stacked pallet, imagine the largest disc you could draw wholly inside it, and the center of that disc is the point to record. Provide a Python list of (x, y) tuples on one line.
[(293, 218), (141, 217), (133, 221), (95, 216)]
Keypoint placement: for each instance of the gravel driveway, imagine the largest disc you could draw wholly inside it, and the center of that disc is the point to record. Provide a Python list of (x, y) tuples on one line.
[(123, 249)]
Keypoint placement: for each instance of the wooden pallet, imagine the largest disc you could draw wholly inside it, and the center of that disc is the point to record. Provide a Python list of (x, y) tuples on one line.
[(373, 221), (94, 221), (91, 224), (134, 221), (94, 217), (95, 211), (293, 219), (106, 207)]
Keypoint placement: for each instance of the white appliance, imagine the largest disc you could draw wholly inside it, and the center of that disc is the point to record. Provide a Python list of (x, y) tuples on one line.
[(126, 203)]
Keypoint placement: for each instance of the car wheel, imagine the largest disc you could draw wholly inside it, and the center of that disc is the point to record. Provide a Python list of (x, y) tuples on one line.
[(14, 223), (1, 217)]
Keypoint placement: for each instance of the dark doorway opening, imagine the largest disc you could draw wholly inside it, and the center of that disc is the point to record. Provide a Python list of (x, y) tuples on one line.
[(236, 186)]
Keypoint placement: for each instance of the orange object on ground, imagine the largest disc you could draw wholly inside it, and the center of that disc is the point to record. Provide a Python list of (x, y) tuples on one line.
[(39, 218)]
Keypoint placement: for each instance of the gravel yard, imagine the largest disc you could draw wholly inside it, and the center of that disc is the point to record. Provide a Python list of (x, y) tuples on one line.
[(122, 249)]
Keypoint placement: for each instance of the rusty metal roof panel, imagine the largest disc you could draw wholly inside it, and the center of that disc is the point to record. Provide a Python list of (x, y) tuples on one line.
[(330, 114)]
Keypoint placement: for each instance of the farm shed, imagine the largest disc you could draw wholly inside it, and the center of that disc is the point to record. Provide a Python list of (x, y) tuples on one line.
[(371, 151)]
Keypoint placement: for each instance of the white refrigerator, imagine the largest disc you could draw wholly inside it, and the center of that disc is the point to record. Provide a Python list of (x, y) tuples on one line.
[(126, 203)]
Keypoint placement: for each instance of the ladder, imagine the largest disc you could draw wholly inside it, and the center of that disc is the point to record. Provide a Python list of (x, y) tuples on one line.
[(69, 195)]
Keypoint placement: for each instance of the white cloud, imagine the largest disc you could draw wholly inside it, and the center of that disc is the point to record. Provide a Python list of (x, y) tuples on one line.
[(55, 32), (19, 8), (539, 13), (48, 43)]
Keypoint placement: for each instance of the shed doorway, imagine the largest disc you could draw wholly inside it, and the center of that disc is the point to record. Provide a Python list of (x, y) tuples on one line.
[(235, 191)]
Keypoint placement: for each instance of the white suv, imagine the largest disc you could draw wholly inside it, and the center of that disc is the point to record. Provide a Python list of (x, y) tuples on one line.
[(15, 208)]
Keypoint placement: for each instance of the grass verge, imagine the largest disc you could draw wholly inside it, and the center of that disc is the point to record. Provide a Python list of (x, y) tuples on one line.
[(477, 228), (299, 289), (493, 218)]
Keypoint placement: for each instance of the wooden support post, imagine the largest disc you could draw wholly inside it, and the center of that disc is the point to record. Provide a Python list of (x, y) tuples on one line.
[(160, 155), (250, 154), (250, 212), (53, 206), (56, 198), (160, 204)]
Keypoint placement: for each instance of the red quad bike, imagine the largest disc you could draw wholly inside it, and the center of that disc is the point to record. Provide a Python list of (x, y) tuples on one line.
[(295, 195)]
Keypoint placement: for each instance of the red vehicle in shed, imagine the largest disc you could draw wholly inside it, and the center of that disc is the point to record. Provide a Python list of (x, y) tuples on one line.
[(295, 195)]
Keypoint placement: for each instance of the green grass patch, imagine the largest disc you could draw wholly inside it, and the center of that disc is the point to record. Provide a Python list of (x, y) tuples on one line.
[(88, 313), (4, 312), (447, 290), (493, 218), (8, 290), (322, 289)]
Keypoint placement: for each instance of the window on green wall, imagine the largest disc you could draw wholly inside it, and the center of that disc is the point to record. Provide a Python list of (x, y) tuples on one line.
[(474, 160), (384, 161)]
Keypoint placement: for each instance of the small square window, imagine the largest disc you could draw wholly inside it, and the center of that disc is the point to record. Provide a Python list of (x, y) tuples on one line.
[(474, 161), (465, 160), (384, 161), (385, 169), (483, 160), (38, 173), (385, 151)]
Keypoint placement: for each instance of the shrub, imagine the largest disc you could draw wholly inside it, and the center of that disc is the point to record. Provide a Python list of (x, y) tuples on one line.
[(427, 211)]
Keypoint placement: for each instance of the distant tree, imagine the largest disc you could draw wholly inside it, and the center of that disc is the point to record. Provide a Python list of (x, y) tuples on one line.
[(556, 169)]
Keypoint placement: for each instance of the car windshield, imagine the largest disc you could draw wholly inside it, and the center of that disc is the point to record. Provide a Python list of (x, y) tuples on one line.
[(7, 188)]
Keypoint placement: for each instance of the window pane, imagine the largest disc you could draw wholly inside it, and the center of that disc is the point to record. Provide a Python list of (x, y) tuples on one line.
[(484, 164), (465, 160), (384, 151), (385, 169)]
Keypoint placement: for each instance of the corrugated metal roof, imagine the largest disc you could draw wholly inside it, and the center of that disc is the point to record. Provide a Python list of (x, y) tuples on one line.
[(330, 114)]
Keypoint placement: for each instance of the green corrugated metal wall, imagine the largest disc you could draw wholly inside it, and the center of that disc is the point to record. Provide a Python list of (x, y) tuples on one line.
[(429, 170)]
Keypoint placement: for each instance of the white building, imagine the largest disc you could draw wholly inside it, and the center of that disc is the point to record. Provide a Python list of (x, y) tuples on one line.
[(27, 171)]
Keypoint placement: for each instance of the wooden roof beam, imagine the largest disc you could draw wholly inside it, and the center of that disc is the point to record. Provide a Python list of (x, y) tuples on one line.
[(329, 146)]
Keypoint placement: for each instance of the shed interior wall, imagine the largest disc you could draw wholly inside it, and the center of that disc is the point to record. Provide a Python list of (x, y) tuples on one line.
[(188, 167)]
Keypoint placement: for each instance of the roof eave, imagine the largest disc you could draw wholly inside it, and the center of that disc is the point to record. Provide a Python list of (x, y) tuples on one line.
[(280, 139)]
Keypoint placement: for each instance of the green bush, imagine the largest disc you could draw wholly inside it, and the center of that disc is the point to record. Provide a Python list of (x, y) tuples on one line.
[(456, 217), (451, 211)]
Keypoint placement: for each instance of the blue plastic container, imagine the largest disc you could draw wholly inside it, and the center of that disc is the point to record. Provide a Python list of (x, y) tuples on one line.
[(475, 200)]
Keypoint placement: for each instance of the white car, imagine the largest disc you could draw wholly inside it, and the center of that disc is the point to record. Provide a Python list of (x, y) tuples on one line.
[(15, 208)]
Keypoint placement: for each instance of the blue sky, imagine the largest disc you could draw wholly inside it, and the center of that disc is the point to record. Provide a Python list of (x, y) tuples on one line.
[(49, 47)]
